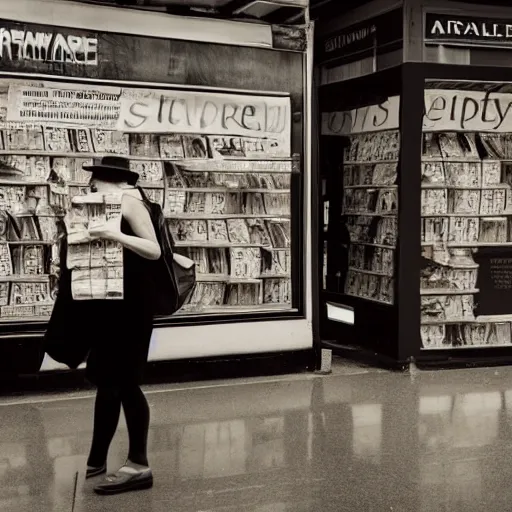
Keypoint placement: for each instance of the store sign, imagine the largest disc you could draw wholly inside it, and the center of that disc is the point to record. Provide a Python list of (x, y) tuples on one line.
[(384, 116), (28, 45), (359, 38), (446, 28), (478, 111), (188, 112), (362, 37)]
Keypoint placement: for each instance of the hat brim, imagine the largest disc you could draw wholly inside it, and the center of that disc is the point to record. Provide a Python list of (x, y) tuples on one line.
[(109, 168)]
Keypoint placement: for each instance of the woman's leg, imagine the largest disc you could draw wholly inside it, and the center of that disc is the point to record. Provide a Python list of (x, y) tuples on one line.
[(136, 412), (107, 409)]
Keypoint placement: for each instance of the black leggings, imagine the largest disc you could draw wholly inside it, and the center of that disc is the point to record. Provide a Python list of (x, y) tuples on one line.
[(106, 418)]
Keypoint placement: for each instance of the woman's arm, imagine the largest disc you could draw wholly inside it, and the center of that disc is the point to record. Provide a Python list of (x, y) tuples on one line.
[(144, 243)]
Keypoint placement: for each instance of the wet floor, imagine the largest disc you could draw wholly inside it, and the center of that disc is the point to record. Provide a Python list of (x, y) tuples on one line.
[(356, 440)]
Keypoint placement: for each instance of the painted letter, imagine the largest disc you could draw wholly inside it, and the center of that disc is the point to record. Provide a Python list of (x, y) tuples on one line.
[(5, 43), (133, 112), (464, 116), (250, 111)]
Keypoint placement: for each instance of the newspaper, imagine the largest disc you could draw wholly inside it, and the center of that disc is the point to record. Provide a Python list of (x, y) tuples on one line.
[(96, 265)]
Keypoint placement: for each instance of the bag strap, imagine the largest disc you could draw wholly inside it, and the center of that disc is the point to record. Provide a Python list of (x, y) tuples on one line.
[(147, 204)]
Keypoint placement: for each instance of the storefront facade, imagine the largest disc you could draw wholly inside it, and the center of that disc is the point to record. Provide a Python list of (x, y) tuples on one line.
[(216, 122), (420, 106)]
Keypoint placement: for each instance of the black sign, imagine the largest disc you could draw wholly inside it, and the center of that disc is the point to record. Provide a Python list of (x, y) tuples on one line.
[(21, 44), (363, 37), (70, 52), (494, 281), (446, 28)]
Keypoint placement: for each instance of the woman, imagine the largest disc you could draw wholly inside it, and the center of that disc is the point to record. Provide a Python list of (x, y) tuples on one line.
[(119, 331)]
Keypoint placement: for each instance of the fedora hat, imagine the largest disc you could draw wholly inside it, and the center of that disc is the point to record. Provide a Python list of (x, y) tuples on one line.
[(113, 165)]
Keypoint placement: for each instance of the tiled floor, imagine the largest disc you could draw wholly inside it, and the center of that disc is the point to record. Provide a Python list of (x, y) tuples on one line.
[(356, 440)]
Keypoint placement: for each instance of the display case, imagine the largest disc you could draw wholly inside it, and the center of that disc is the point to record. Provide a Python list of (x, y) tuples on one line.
[(216, 131)]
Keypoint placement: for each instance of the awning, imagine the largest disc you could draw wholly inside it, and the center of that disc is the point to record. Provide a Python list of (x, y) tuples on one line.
[(268, 11)]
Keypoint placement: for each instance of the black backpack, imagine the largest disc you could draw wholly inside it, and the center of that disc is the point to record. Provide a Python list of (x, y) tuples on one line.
[(174, 275)]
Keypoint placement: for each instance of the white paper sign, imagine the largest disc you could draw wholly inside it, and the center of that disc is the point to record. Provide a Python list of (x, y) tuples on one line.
[(56, 105), (206, 113), (478, 111), (372, 118)]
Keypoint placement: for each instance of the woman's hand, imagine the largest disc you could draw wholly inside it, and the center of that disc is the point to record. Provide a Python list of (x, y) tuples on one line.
[(108, 231)]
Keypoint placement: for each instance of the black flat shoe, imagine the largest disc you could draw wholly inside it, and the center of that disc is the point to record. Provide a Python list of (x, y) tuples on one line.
[(92, 472), (124, 482)]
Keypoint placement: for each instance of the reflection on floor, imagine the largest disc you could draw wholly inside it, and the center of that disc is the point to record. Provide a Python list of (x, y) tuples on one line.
[(357, 440)]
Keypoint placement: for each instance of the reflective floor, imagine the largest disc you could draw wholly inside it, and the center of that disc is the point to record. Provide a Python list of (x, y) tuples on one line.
[(356, 440)]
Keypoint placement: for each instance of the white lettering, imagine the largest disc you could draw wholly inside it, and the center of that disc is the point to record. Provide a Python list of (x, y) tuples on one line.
[(471, 29), (40, 46), (438, 29)]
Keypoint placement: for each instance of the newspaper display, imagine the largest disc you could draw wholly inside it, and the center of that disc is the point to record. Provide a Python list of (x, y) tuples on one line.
[(370, 209), (466, 220), (220, 165), (96, 266)]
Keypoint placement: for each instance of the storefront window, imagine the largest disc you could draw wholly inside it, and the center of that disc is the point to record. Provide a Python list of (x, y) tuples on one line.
[(220, 165), (466, 277)]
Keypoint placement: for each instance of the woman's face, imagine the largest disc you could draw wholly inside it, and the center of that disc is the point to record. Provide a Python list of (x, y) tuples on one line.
[(96, 184)]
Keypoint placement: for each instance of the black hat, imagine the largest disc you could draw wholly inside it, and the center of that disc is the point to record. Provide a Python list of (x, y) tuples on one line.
[(117, 166)]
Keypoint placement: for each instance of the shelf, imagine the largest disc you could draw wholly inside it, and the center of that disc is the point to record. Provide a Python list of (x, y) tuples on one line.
[(497, 319), (443, 291), (371, 162), (28, 242), (368, 244), (24, 319), (385, 187), (258, 308), (465, 347), (494, 318), (189, 161), (21, 183), (222, 190), (24, 279), (222, 278), (370, 299), (450, 322), (213, 216), (437, 186), (457, 160), (431, 215), (236, 166), (467, 245), (370, 214), (216, 245), (226, 245), (370, 272)]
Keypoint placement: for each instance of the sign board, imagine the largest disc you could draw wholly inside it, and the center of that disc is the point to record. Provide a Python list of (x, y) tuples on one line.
[(369, 35), (475, 111), (385, 116), (189, 112), (494, 281), (445, 28)]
